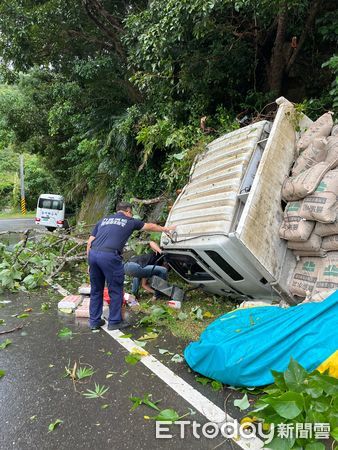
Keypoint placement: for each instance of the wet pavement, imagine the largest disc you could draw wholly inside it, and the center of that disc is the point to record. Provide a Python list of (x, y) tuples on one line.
[(16, 224), (35, 393)]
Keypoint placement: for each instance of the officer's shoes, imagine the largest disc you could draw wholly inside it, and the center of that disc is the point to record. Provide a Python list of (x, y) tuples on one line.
[(98, 326), (119, 325)]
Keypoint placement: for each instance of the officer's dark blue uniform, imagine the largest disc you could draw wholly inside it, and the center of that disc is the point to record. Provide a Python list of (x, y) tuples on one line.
[(105, 262)]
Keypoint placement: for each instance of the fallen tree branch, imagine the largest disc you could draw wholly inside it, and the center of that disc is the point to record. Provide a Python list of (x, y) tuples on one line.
[(13, 232), (24, 243), (148, 201), (61, 236), (79, 257), (13, 329), (56, 271), (58, 288)]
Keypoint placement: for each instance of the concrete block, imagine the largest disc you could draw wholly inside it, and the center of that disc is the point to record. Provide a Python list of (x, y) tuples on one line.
[(70, 302)]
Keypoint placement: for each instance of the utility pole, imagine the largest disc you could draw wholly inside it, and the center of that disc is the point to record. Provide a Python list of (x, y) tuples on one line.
[(22, 185)]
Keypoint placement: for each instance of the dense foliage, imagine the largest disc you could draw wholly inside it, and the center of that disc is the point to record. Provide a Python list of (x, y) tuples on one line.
[(111, 93), (299, 400)]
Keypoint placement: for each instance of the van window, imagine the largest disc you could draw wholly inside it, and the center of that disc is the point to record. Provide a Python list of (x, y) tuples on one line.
[(225, 266), (187, 267), (50, 204)]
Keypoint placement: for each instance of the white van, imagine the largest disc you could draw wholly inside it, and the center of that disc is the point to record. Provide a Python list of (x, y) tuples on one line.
[(50, 211)]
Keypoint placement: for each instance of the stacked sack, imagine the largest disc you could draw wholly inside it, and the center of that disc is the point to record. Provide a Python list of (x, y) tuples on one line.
[(310, 222)]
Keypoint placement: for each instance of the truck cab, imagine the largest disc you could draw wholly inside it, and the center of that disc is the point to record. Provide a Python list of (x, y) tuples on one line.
[(50, 211)]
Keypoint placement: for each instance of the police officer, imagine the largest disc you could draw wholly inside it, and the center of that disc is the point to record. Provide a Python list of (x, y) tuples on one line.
[(104, 249)]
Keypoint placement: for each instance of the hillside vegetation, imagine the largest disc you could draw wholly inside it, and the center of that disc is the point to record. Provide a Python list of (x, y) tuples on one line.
[(111, 93)]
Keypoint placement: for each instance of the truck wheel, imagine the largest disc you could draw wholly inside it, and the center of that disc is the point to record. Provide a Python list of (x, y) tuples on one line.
[(51, 229)]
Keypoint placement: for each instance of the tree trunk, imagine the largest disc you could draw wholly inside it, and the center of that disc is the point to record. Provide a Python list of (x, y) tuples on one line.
[(277, 61)]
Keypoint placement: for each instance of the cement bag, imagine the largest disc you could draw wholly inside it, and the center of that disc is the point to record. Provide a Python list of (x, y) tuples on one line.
[(320, 128), (320, 253), (326, 229), (319, 297), (316, 152), (328, 274), (296, 188), (313, 244), (332, 151), (322, 204), (334, 131), (242, 347), (294, 227), (330, 243), (305, 276)]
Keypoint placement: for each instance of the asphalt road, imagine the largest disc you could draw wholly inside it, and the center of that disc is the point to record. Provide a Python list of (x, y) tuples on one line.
[(34, 392), (16, 224)]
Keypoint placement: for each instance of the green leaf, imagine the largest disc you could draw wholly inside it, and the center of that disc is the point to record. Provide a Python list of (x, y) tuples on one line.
[(203, 380), (288, 405), (315, 446), (182, 316), (321, 404), (84, 372), (137, 401), (53, 425), (132, 358), (177, 358), (65, 332), (141, 343), (105, 406), (98, 392), (279, 380), (334, 434), (2, 321), (242, 403), (126, 336), (329, 384), (313, 388), (163, 351), (278, 443), (216, 385), (22, 316), (168, 415), (148, 336), (2, 373), (5, 344), (294, 376)]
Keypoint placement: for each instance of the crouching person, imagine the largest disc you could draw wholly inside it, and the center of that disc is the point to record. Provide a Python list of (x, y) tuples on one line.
[(143, 267)]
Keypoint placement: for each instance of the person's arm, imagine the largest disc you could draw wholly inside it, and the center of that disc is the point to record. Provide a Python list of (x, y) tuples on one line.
[(155, 247), (159, 228), (146, 286), (89, 243)]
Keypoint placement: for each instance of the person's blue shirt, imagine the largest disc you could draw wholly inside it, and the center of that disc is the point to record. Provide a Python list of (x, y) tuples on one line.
[(112, 233)]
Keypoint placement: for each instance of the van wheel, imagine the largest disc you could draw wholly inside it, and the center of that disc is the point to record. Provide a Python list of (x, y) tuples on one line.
[(51, 229)]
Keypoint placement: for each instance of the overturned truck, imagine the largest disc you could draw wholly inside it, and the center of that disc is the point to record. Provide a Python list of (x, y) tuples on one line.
[(229, 214)]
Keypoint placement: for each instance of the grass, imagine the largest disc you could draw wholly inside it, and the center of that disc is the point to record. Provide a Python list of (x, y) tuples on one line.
[(16, 215), (190, 328)]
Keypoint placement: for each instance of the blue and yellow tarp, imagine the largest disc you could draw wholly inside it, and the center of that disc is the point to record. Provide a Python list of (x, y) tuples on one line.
[(242, 347)]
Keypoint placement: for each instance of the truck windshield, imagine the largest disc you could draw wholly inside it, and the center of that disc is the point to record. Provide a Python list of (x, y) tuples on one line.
[(187, 267), (47, 203)]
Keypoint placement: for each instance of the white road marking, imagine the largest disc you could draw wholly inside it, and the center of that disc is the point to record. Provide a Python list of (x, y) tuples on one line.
[(203, 405)]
